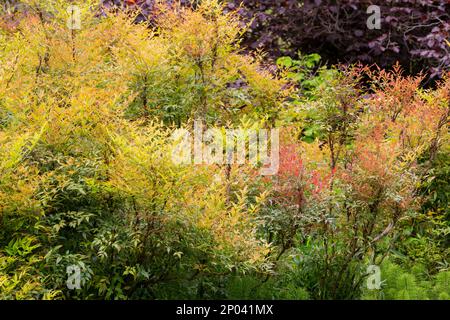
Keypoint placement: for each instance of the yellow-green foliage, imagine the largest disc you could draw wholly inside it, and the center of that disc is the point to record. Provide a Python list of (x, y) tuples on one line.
[(88, 186), (87, 177)]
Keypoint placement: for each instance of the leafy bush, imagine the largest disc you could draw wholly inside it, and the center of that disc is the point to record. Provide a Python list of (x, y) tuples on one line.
[(80, 184), (349, 182), (87, 178), (412, 32)]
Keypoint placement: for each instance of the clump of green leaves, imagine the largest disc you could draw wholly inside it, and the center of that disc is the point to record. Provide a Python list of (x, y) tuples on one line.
[(415, 284)]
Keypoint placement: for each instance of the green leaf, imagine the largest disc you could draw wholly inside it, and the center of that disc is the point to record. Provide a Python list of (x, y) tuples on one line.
[(285, 62), (308, 139)]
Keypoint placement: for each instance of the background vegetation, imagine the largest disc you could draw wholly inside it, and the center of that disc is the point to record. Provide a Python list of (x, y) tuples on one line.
[(412, 33)]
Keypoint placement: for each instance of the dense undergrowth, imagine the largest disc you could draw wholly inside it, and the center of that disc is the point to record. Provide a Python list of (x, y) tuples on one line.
[(87, 176)]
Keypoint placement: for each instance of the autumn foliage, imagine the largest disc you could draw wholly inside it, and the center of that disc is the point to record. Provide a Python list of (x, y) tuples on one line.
[(87, 177)]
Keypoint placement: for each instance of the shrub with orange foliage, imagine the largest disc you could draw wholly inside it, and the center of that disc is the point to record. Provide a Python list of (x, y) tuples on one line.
[(351, 191)]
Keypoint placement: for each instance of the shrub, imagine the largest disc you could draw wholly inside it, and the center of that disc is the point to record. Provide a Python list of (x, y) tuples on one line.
[(412, 32), (349, 187), (83, 184)]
